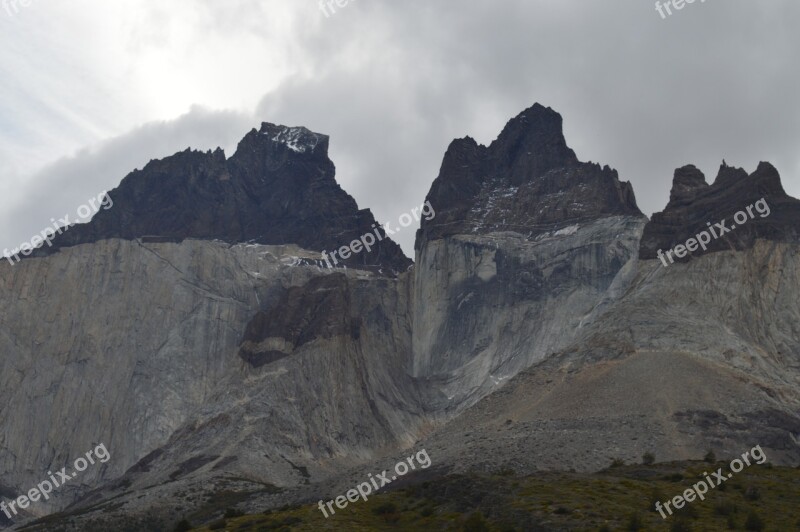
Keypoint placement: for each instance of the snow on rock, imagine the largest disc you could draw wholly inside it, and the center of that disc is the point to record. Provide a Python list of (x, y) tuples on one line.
[(298, 139), (570, 230)]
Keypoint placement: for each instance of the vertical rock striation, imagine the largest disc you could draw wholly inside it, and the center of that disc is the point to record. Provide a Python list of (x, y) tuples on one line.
[(527, 244)]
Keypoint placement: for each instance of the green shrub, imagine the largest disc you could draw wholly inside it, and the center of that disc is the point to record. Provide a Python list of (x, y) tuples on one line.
[(751, 493), (689, 511), (388, 511), (476, 523), (617, 462), (710, 457), (232, 513), (182, 526), (648, 459), (218, 525), (680, 525), (385, 508), (754, 523), (635, 522), (656, 496), (725, 508)]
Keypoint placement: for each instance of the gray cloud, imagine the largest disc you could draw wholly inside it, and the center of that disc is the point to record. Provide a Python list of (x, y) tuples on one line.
[(394, 82), (68, 183)]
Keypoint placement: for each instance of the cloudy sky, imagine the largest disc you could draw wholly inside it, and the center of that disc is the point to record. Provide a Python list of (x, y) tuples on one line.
[(92, 89)]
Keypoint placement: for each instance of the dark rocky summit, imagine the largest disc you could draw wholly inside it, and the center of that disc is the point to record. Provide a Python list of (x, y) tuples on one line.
[(693, 204), (528, 181), (278, 188)]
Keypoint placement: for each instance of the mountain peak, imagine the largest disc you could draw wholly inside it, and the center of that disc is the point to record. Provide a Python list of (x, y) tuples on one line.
[(528, 181), (536, 137), (686, 181)]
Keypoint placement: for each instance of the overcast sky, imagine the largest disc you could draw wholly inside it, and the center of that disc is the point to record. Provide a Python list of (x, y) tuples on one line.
[(93, 89)]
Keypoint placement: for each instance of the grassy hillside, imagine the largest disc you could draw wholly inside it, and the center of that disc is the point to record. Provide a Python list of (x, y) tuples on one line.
[(619, 498)]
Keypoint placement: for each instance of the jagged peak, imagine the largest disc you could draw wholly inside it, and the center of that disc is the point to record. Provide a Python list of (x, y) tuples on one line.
[(537, 133), (686, 181), (694, 204), (528, 181), (727, 175)]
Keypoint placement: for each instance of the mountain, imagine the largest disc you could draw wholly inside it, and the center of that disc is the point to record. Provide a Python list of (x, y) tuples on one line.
[(528, 246), (527, 181), (278, 188), (695, 207), (195, 331)]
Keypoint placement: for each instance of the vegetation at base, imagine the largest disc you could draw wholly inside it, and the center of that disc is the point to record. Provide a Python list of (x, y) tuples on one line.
[(617, 499)]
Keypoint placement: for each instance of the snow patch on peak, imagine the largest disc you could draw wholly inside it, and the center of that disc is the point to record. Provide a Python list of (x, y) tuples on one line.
[(298, 139)]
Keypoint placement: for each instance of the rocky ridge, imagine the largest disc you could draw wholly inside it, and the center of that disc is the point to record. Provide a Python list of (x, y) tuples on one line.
[(278, 188), (694, 205)]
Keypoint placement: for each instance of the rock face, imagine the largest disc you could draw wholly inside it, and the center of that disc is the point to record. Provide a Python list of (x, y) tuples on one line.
[(700, 355), (116, 342), (144, 353), (695, 206), (536, 330), (278, 188), (318, 310), (703, 354)]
